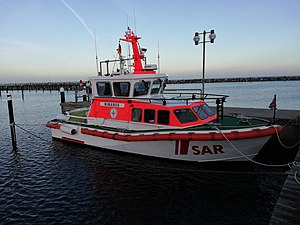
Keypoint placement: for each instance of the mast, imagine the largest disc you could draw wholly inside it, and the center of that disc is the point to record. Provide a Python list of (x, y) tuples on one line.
[(158, 57), (137, 54)]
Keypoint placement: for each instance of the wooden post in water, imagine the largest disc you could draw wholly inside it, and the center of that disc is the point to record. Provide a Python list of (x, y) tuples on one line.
[(62, 98), (274, 110), (22, 89), (62, 95), (12, 121)]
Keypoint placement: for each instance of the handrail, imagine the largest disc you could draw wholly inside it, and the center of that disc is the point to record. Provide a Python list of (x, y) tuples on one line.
[(110, 61), (192, 89), (164, 98)]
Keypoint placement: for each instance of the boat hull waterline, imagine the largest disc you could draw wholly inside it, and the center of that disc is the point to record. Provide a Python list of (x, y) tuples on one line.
[(196, 146)]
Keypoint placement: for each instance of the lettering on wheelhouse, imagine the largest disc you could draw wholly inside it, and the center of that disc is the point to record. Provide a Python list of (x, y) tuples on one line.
[(112, 104), (182, 148)]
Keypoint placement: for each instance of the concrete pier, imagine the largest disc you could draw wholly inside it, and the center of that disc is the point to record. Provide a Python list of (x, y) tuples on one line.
[(281, 114), (47, 86), (287, 209), (67, 106)]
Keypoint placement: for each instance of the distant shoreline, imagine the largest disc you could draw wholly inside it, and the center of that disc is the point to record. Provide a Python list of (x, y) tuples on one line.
[(75, 85), (237, 79)]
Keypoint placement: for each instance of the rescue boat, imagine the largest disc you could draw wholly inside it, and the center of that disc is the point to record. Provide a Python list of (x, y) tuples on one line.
[(132, 111)]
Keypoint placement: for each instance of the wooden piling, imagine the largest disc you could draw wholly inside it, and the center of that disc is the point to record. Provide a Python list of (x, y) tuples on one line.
[(62, 98), (62, 95), (12, 122), (22, 90)]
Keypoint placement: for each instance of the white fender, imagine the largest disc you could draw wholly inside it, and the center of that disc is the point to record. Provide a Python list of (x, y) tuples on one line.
[(69, 129)]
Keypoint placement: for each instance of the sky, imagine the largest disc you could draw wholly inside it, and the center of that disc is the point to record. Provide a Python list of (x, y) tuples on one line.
[(53, 40)]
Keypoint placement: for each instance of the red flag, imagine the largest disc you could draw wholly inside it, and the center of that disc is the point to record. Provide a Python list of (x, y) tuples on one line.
[(119, 50), (273, 104)]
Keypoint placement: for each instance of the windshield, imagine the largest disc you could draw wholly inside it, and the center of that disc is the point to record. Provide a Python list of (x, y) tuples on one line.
[(203, 111), (185, 115), (141, 88)]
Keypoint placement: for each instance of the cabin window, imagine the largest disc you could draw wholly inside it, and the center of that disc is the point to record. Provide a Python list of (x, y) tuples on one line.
[(156, 86), (149, 116), (165, 83), (185, 115), (141, 88), (104, 89), (200, 112), (208, 110), (121, 88), (203, 111), (163, 117), (136, 115)]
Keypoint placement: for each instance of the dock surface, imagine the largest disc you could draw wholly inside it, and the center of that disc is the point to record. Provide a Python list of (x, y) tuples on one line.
[(263, 113), (287, 209)]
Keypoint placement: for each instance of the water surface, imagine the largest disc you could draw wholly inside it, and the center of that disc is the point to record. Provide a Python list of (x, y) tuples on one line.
[(51, 182)]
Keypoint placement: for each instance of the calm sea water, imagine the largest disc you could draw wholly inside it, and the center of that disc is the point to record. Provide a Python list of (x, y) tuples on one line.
[(49, 182), (254, 94)]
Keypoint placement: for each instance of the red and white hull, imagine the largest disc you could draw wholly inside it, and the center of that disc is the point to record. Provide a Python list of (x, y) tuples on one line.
[(210, 147)]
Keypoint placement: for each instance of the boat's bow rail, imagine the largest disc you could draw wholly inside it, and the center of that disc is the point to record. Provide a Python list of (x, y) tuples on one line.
[(195, 94)]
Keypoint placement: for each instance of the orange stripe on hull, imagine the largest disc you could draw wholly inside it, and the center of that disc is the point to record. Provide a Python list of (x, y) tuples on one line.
[(53, 125), (234, 135)]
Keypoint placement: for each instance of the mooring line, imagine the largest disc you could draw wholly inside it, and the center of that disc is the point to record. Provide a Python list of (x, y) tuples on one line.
[(17, 125), (31, 124), (251, 160), (295, 177), (277, 134)]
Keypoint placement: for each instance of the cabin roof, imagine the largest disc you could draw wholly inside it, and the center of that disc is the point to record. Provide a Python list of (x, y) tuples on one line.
[(129, 77)]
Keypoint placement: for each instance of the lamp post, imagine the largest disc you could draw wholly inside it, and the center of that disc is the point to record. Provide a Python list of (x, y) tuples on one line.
[(212, 37)]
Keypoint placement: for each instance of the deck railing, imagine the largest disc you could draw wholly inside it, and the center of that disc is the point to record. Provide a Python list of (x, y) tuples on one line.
[(186, 95), (195, 94)]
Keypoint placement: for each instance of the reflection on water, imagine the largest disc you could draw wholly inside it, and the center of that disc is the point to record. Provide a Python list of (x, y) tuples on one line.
[(52, 182)]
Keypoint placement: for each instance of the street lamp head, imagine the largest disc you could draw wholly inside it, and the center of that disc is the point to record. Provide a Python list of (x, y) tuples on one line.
[(212, 36), (196, 38)]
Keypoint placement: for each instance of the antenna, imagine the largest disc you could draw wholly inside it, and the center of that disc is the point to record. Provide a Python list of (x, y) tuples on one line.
[(97, 63), (158, 58), (134, 19)]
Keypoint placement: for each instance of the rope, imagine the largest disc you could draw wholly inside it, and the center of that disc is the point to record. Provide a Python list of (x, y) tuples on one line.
[(31, 124), (17, 125), (277, 134), (295, 177), (251, 160)]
